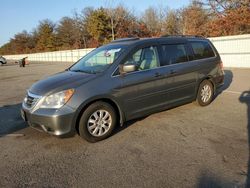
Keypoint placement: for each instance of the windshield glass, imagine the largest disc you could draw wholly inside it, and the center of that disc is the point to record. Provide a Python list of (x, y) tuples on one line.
[(98, 60)]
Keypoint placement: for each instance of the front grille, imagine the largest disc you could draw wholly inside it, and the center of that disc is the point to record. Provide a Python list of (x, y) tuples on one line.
[(31, 100)]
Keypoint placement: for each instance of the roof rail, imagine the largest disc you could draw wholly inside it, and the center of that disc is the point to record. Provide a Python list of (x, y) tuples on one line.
[(193, 36), (125, 39)]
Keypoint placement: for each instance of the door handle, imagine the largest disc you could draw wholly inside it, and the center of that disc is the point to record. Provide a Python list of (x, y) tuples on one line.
[(157, 74), (173, 72)]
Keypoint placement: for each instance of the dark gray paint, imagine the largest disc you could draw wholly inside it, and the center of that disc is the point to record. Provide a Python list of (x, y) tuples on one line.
[(134, 94)]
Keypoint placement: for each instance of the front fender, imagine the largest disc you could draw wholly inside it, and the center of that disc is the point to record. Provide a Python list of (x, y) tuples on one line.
[(105, 98)]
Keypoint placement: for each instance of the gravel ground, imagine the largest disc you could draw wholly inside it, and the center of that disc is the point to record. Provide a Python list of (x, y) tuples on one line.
[(188, 146)]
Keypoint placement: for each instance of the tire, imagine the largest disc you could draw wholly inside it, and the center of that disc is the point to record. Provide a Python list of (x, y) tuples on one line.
[(205, 93), (97, 122)]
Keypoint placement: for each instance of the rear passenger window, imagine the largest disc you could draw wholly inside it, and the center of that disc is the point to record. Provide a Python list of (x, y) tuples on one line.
[(174, 53), (202, 49)]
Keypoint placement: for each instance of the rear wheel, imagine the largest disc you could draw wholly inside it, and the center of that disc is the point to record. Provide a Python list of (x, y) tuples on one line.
[(97, 122), (205, 93)]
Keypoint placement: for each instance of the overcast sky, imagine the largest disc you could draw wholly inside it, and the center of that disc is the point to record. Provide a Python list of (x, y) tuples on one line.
[(19, 15)]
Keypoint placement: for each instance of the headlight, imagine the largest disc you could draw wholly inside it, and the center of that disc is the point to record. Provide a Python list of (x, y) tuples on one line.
[(57, 100)]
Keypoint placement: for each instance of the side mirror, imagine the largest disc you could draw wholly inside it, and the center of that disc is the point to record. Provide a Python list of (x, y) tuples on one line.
[(127, 68)]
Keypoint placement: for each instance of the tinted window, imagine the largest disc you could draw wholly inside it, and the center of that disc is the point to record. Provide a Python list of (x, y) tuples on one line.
[(202, 49), (174, 53), (145, 58)]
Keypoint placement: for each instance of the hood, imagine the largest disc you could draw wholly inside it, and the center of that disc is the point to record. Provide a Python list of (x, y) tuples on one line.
[(60, 81)]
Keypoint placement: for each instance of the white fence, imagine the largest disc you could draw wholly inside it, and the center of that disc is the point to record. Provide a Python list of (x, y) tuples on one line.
[(234, 51), (56, 56)]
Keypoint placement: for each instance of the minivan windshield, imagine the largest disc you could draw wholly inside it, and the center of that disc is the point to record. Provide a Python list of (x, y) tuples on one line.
[(98, 60)]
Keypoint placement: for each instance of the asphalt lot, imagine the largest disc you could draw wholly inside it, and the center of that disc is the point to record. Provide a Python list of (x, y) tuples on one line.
[(188, 146)]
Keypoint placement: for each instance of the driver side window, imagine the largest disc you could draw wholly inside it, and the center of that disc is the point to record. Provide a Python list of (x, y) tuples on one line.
[(145, 58)]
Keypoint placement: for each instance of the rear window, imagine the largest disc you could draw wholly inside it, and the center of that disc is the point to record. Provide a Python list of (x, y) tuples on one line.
[(202, 49), (174, 53)]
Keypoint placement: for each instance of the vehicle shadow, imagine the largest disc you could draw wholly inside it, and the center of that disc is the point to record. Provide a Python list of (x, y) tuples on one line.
[(245, 98), (209, 180), (228, 79), (10, 119), (127, 125)]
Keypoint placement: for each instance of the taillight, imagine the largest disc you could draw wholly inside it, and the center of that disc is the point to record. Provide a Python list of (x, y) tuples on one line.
[(221, 65)]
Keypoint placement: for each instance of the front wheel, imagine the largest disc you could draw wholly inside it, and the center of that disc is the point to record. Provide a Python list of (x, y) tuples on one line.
[(97, 122), (205, 93)]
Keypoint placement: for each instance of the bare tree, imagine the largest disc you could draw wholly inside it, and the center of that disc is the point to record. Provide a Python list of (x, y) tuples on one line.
[(151, 19), (171, 24), (111, 13), (194, 19)]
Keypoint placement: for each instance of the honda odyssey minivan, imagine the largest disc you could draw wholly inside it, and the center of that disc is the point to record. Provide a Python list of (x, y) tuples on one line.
[(123, 80)]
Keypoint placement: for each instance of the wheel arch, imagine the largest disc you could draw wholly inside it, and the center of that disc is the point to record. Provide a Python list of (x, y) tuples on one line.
[(208, 77), (85, 105)]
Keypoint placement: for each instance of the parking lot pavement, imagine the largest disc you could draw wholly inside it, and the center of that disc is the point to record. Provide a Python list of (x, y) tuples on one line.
[(188, 146)]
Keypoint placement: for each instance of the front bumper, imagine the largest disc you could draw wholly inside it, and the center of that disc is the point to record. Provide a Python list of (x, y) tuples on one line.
[(53, 121)]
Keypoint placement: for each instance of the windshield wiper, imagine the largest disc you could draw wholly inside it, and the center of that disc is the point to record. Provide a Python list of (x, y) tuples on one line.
[(83, 71)]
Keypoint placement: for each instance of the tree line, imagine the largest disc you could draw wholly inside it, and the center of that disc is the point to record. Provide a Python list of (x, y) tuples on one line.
[(93, 27)]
